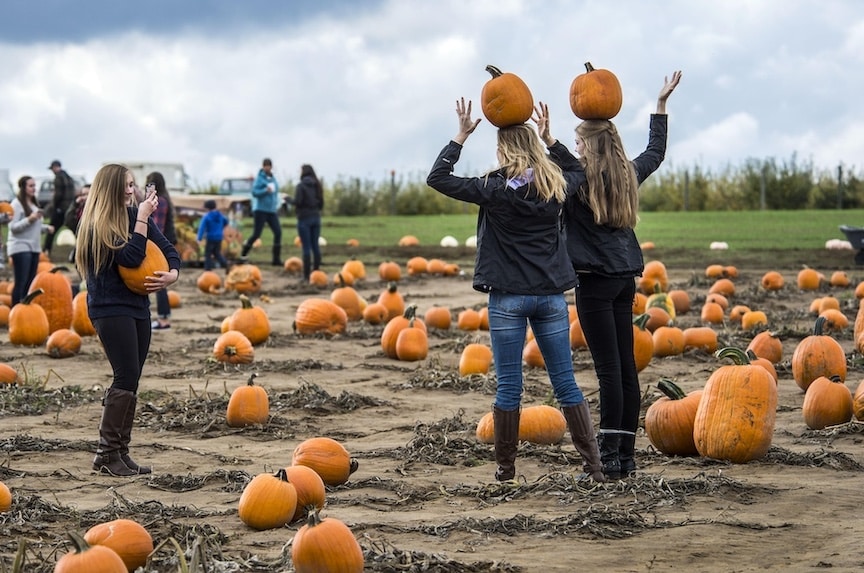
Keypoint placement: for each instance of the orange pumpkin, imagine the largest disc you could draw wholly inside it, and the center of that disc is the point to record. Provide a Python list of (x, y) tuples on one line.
[(680, 300), (245, 279), (772, 280), (737, 410), (389, 271), (809, 279), (293, 265), (127, 538), (700, 337), (251, 320), (767, 345), (643, 342), (392, 300), (532, 356), (417, 266), (391, 331), (325, 544), (505, 99), (318, 278), (248, 405), (840, 279), (412, 342), (669, 420), (347, 298), (408, 241), (438, 317), (63, 343), (596, 94), (311, 491), (8, 375), (56, 299), (268, 501), (209, 282), (764, 363), (468, 319), (435, 266), (316, 315), (723, 286), (356, 267), (233, 347), (668, 341), (375, 313), (28, 323), (753, 319), (539, 424), (5, 498), (327, 457), (818, 355), (828, 402), (858, 402), (87, 558), (154, 260), (475, 358), (81, 322)]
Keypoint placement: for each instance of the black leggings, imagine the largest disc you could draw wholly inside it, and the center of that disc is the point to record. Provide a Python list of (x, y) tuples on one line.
[(126, 341), (605, 308)]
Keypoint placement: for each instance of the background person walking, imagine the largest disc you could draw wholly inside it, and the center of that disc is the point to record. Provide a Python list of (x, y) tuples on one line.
[(265, 205), (308, 204)]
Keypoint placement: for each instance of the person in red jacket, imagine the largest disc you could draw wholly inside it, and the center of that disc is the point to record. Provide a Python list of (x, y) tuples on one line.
[(113, 232)]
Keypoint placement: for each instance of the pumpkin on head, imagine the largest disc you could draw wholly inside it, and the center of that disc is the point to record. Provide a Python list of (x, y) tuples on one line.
[(596, 94), (505, 99)]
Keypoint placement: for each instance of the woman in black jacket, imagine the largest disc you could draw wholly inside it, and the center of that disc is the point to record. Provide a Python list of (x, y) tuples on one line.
[(308, 203), (599, 221), (522, 263)]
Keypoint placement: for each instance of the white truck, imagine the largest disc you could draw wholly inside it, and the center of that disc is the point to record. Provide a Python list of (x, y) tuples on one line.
[(175, 176), (7, 192)]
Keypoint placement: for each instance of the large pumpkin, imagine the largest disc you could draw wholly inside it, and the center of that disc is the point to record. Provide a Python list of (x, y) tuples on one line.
[(828, 402), (81, 322), (818, 355), (63, 343), (127, 538), (476, 358), (412, 342), (390, 334), (311, 491), (737, 410), (209, 282), (327, 457), (596, 94), (154, 260), (56, 299), (539, 424), (325, 545), (669, 421), (251, 321), (505, 99), (268, 501), (233, 347), (248, 405)]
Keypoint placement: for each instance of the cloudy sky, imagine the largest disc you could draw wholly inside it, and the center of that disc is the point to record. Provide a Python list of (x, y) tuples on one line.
[(360, 88)]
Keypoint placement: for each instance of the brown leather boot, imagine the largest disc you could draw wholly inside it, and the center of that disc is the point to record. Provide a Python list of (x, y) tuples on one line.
[(108, 460), (126, 436), (582, 433), (506, 442)]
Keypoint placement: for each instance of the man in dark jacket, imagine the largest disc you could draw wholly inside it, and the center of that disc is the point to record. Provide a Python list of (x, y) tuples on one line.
[(64, 195)]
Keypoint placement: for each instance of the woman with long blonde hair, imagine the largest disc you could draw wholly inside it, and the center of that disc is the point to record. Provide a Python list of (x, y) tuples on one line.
[(113, 232), (522, 263), (599, 220)]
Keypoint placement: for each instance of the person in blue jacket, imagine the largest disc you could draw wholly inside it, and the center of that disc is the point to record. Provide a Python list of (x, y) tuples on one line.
[(265, 207), (522, 263), (211, 229), (113, 232), (599, 220)]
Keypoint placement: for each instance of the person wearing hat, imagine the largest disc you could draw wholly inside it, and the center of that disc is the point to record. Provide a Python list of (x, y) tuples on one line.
[(64, 195), (211, 229)]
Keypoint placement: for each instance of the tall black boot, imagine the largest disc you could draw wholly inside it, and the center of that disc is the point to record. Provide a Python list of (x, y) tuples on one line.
[(609, 442), (108, 460), (626, 451), (277, 255), (126, 437), (506, 441), (307, 266), (582, 433)]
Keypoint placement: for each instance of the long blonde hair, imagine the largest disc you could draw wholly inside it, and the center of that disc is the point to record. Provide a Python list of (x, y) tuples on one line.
[(613, 190), (104, 225), (519, 149)]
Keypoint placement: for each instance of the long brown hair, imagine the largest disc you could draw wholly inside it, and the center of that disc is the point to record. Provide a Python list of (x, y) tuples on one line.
[(104, 225), (520, 148), (613, 191), (25, 200)]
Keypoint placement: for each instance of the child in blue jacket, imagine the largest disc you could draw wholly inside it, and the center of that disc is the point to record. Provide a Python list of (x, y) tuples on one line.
[(212, 229)]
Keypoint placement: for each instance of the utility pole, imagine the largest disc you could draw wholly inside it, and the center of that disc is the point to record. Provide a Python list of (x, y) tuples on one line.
[(839, 186), (392, 191), (686, 190), (762, 185)]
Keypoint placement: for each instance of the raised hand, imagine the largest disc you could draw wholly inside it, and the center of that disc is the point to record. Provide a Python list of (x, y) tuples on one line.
[(466, 124)]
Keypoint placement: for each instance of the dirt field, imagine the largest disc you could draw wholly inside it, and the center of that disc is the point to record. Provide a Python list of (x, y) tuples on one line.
[(423, 498)]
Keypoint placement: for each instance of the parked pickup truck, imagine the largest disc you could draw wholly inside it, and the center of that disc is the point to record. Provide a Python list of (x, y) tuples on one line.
[(234, 195)]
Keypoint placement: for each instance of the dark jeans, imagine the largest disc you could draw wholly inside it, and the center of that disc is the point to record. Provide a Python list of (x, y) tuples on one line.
[(213, 252), (309, 231), (509, 316), (272, 221), (24, 266), (126, 342), (605, 308), (163, 307)]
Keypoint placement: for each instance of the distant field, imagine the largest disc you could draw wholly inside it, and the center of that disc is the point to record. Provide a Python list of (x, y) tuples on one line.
[(759, 238)]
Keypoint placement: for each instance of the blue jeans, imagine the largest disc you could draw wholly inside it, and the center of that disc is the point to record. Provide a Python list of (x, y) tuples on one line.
[(309, 231), (605, 307), (509, 316), (24, 267)]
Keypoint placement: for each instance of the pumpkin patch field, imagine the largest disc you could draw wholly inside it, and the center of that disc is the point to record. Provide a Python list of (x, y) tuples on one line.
[(297, 427)]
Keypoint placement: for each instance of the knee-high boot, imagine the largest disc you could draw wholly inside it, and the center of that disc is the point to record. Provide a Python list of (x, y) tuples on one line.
[(307, 266), (126, 437), (626, 453), (277, 254), (506, 442), (108, 460), (609, 443), (582, 433)]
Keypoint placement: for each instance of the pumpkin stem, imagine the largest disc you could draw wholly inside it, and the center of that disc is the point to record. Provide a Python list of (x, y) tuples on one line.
[(392, 286), (670, 389), (281, 474), (244, 300), (251, 378), (737, 355), (78, 541), (589, 67), (494, 71), (353, 465), (57, 269), (313, 518), (820, 324), (31, 295), (641, 320)]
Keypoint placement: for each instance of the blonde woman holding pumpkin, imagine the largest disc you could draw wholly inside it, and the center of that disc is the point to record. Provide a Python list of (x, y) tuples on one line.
[(113, 232), (599, 220), (522, 264)]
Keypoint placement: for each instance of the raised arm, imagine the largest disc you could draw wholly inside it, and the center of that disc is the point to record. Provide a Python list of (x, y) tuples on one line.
[(669, 86)]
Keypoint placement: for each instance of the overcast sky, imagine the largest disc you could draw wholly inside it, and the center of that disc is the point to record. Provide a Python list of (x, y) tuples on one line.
[(360, 88)]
